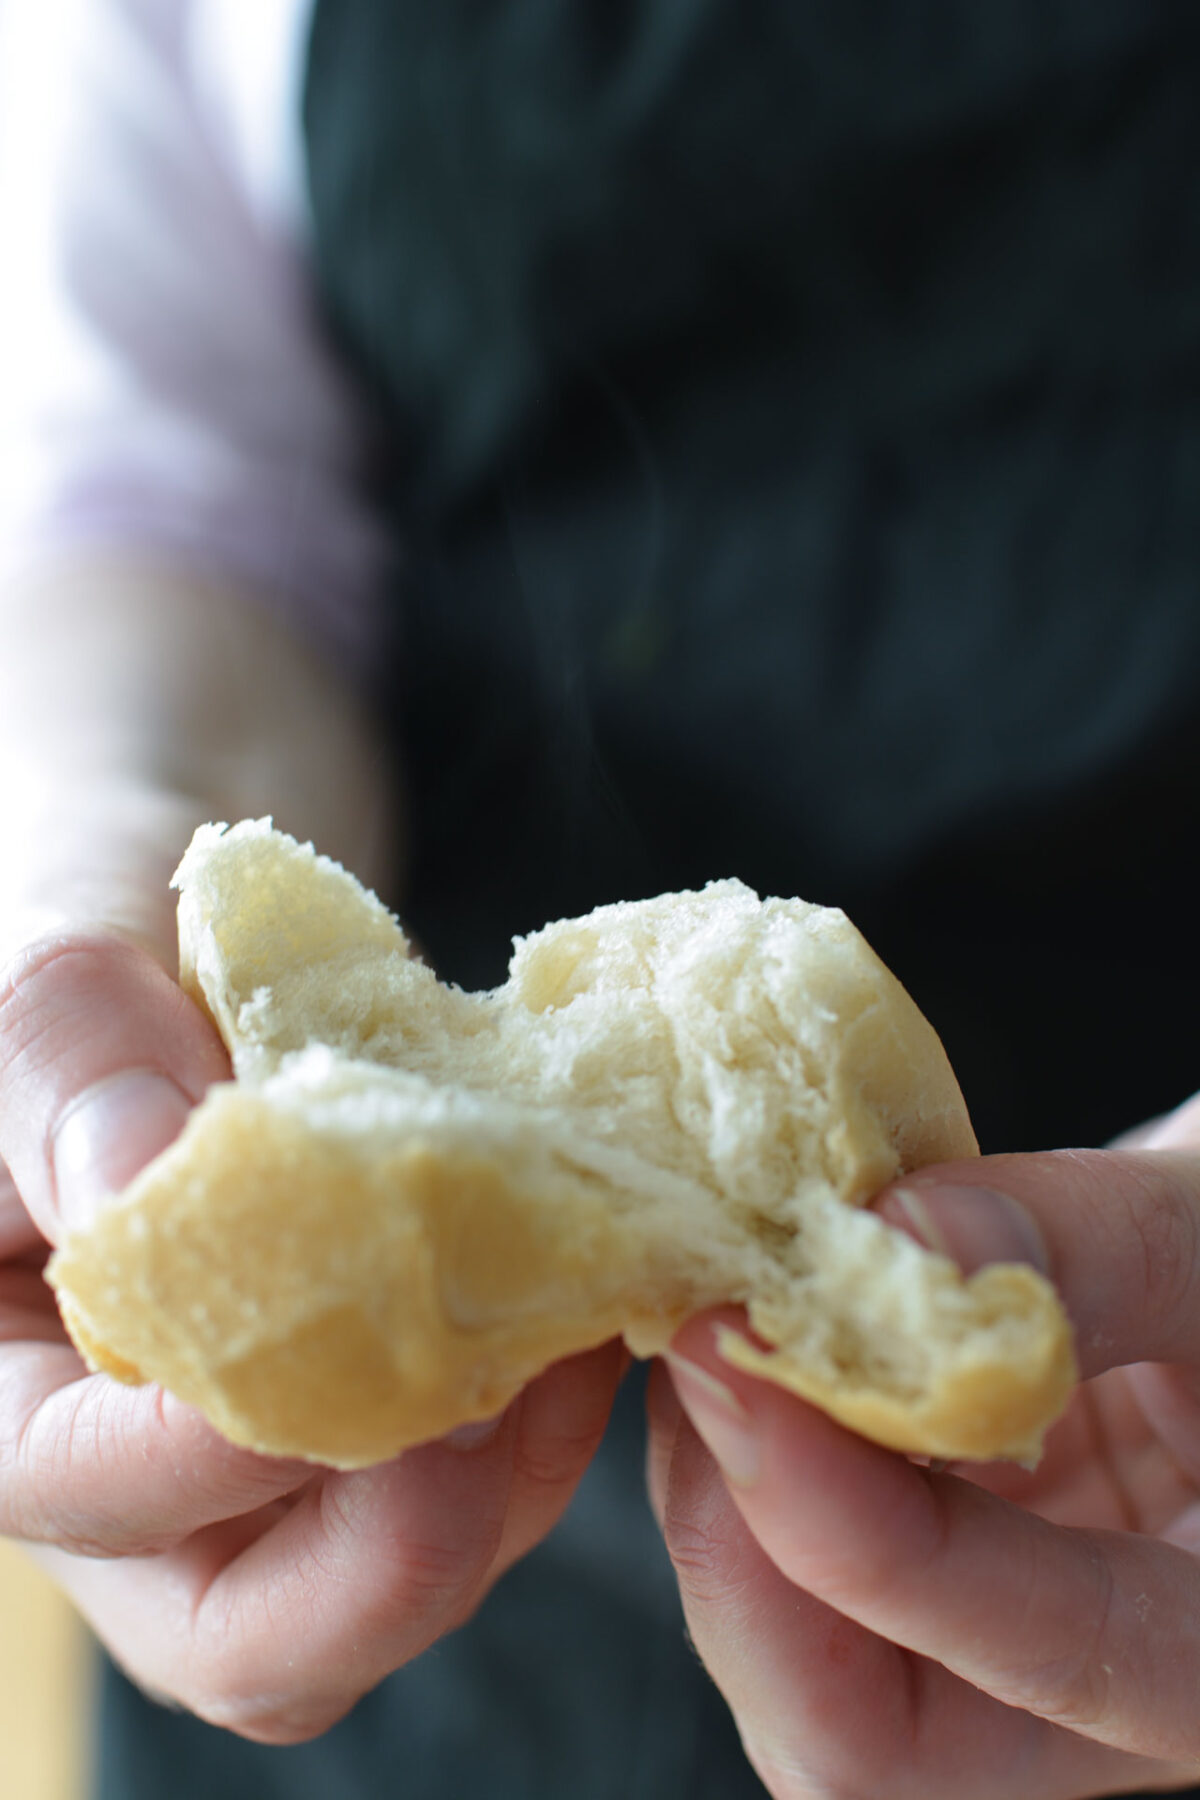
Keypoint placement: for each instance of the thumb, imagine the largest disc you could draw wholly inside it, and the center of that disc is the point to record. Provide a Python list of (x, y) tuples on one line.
[(102, 1056), (1118, 1233)]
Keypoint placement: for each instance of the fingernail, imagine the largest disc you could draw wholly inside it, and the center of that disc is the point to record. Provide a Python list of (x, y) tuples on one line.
[(109, 1133), (971, 1225), (719, 1416)]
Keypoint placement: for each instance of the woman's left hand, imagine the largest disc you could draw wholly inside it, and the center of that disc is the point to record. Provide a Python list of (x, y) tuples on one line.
[(882, 1628)]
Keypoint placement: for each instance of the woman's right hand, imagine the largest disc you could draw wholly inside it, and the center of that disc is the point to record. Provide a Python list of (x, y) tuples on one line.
[(264, 1595)]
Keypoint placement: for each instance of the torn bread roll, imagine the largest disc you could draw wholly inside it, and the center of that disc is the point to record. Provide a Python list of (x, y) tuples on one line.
[(412, 1199)]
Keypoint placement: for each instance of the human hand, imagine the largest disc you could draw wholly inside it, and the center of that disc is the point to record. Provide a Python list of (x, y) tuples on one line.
[(883, 1628), (264, 1595)]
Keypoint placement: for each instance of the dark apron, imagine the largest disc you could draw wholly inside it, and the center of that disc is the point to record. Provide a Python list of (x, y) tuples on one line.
[(790, 417)]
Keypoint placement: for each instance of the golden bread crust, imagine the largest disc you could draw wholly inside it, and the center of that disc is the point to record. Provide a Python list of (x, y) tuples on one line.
[(412, 1200)]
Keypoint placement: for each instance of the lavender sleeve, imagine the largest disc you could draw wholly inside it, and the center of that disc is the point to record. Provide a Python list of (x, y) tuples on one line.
[(164, 384)]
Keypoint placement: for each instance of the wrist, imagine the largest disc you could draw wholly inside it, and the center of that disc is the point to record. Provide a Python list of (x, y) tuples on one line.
[(129, 683)]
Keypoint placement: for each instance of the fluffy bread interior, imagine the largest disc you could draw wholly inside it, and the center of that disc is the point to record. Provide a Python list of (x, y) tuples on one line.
[(412, 1199)]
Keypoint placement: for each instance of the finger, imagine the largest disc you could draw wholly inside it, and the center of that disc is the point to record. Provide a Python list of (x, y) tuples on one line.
[(278, 1642), (86, 846), (1177, 1130), (664, 1414), (106, 1470), (381, 1563), (102, 1058), (1091, 1630), (276, 1632), (1118, 1232), (18, 1234), (796, 1674), (560, 1420), (27, 1312)]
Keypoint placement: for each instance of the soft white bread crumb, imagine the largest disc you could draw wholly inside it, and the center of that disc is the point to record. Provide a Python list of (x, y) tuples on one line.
[(412, 1199)]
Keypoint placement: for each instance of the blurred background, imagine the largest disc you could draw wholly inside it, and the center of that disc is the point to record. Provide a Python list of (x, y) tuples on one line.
[(45, 1653), (45, 1684)]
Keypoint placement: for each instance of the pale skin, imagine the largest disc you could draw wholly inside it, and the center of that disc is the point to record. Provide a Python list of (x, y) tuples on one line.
[(265, 1596), (879, 1629), (885, 1629)]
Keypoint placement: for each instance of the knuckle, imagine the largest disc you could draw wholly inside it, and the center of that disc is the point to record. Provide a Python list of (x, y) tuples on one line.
[(695, 1553), (420, 1577), (427, 1574), (548, 1462), (52, 998), (715, 1558), (1169, 1236), (64, 1482), (711, 1563), (85, 1538), (36, 974), (1070, 1684), (1073, 1691)]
